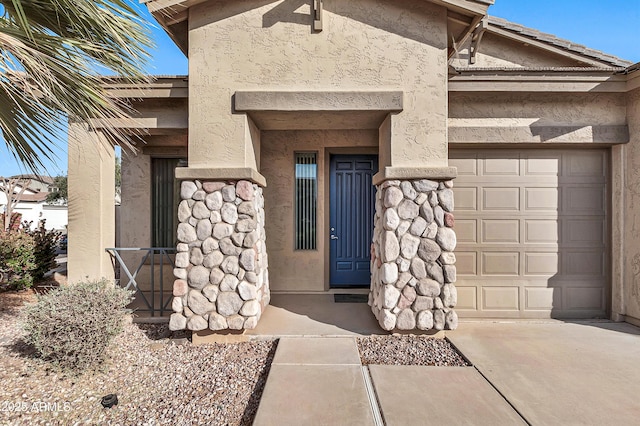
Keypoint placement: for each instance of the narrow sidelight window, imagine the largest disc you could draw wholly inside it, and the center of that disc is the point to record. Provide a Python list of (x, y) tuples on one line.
[(306, 193), (165, 196)]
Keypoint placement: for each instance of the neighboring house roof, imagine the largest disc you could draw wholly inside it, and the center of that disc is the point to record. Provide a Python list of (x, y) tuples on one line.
[(44, 179), (37, 197), (554, 41)]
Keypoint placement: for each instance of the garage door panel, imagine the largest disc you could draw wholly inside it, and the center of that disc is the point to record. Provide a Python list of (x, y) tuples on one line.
[(467, 298), (532, 233), (467, 165), (466, 198), (466, 230), (542, 299), (583, 298), (500, 263), (587, 163), (466, 263), (541, 199), (501, 199), (547, 264), (583, 263), (541, 231), (583, 200), (501, 298), (583, 232), (500, 231), (549, 166), (501, 167)]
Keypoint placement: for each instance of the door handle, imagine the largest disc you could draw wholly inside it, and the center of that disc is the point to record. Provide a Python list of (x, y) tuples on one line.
[(333, 237)]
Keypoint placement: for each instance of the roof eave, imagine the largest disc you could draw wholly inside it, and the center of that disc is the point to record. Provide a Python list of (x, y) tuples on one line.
[(173, 15)]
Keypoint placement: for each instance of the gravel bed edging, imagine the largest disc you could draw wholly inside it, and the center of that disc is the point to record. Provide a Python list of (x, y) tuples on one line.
[(410, 350), (156, 380)]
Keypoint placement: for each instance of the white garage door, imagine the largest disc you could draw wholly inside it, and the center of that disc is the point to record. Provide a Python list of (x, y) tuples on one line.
[(532, 233)]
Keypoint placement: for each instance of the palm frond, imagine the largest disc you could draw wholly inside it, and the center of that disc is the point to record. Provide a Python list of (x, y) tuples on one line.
[(49, 53)]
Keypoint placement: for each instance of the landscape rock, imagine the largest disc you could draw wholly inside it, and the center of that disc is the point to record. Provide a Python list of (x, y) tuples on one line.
[(425, 320), (391, 220), (451, 320), (409, 246), (198, 277), (180, 288), (428, 287), (408, 210), (187, 189), (406, 320), (177, 322), (229, 303), (214, 201), (199, 304), (197, 323), (392, 196), (429, 250), (446, 238), (445, 196), (186, 233), (217, 322), (235, 322)]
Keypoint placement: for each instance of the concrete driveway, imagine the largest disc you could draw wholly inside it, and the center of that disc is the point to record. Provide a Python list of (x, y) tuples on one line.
[(559, 373)]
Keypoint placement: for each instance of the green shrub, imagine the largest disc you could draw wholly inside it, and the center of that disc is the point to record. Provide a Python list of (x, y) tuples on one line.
[(17, 259), (73, 325), (44, 249)]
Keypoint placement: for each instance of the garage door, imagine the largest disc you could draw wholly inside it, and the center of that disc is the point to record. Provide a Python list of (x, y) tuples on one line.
[(532, 233)]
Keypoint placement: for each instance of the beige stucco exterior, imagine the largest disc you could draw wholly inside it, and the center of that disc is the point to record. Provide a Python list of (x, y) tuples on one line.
[(382, 77), (631, 221), (287, 265), (258, 46)]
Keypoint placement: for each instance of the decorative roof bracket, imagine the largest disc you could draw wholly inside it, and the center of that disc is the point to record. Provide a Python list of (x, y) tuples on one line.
[(476, 37), (317, 15)]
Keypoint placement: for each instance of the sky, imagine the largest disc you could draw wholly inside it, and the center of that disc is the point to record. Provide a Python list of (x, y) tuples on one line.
[(608, 25)]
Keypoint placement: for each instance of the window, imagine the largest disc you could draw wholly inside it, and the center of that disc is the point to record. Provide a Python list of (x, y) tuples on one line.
[(306, 198), (165, 196)]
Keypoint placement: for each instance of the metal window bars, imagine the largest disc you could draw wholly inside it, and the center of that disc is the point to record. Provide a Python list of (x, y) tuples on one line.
[(154, 301)]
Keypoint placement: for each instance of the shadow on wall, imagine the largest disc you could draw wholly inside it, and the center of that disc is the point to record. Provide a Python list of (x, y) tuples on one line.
[(598, 134), (390, 17), (581, 288)]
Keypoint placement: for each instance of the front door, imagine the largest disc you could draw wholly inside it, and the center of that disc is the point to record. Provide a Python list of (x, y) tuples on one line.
[(352, 207)]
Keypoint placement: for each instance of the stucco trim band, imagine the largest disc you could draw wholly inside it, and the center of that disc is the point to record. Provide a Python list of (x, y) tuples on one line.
[(438, 173), (248, 101), (483, 134), (227, 174)]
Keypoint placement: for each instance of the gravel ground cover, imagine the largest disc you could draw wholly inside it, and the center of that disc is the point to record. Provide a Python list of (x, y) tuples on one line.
[(157, 381), (409, 350)]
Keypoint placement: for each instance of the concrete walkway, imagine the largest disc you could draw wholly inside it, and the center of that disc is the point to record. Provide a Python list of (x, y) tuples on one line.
[(540, 373), (560, 373)]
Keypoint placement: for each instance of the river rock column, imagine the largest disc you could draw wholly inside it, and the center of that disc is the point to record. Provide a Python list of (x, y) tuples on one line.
[(412, 261), (221, 262)]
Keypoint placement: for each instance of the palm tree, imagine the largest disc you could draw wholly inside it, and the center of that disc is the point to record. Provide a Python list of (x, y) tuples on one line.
[(51, 55)]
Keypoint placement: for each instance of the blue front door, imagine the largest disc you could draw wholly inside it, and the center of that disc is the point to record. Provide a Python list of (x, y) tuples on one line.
[(352, 207)]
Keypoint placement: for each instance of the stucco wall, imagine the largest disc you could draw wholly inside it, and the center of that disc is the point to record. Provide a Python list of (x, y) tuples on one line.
[(365, 45), (135, 205), (632, 211), (91, 183), (496, 51), (289, 269), (537, 117)]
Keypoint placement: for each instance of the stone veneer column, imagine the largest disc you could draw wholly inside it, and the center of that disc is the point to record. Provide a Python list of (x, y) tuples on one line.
[(412, 260), (221, 265)]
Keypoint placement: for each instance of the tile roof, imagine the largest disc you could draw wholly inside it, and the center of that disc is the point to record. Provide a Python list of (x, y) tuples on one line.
[(557, 42), (45, 179), (37, 197)]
